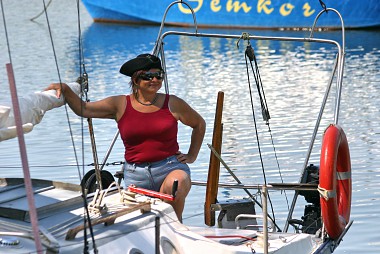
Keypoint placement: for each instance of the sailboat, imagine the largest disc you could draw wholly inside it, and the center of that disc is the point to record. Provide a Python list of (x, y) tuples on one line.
[(102, 216)]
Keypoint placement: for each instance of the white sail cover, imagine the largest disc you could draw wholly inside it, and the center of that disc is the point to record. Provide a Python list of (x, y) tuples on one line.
[(32, 108)]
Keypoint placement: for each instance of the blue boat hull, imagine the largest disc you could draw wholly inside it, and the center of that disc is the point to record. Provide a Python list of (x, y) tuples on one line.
[(242, 13)]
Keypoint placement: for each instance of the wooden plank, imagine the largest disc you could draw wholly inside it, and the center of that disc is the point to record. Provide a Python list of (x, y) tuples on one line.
[(214, 166)]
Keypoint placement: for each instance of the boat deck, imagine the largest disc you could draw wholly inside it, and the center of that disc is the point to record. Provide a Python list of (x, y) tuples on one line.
[(49, 197)]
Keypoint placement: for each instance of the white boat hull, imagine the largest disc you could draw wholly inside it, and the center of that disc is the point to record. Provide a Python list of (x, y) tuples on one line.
[(61, 219)]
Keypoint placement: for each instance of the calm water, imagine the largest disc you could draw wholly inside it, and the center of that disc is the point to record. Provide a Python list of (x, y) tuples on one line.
[(294, 77)]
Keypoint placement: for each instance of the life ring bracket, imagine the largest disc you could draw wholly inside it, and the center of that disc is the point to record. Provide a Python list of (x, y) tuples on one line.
[(326, 194), (343, 175)]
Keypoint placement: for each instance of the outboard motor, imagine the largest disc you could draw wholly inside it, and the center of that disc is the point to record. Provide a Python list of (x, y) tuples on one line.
[(311, 221)]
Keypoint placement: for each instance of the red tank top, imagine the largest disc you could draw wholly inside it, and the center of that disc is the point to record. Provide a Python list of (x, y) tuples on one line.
[(148, 137)]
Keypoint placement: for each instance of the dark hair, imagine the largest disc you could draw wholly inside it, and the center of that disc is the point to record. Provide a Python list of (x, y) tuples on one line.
[(134, 80)]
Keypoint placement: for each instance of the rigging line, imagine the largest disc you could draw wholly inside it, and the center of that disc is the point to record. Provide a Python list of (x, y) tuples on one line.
[(60, 81), (278, 164), (259, 84), (257, 135), (265, 111), (254, 120), (264, 106), (263, 100), (323, 5), (42, 12), (6, 33), (83, 77), (83, 81), (239, 182), (84, 86), (116, 163)]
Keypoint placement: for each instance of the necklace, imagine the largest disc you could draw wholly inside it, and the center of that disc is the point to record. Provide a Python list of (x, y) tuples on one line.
[(147, 104)]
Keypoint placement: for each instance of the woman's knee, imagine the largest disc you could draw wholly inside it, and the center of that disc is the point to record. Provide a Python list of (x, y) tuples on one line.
[(184, 182)]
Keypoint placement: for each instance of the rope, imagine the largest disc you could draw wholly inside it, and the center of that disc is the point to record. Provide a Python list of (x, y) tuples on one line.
[(264, 106), (278, 164), (250, 54), (257, 134), (256, 73), (6, 33), (60, 81), (116, 163), (84, 85), (42, 12), (323, 5)]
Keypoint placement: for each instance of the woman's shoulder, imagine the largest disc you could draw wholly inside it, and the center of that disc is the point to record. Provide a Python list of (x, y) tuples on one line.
[(177, 104), (175, 99), (115, 99)]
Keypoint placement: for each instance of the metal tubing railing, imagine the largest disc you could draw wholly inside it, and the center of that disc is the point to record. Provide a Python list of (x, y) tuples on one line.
[(311, 144)]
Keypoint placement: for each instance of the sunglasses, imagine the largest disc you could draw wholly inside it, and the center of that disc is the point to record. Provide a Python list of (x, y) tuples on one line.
[(150, 75)]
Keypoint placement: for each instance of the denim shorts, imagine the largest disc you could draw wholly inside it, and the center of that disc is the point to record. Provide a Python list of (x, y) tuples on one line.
[(151, 175)]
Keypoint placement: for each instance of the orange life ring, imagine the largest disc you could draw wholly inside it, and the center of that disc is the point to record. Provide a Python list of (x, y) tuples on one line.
[(335, 181)]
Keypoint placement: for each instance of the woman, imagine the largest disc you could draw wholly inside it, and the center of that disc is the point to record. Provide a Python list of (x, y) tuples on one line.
[(147, 121)]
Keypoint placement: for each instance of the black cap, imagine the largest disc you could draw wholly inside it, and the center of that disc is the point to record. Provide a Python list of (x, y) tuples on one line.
[(141, 62)]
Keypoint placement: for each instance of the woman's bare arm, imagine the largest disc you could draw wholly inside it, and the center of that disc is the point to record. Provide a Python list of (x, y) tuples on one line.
[(105, 108)]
